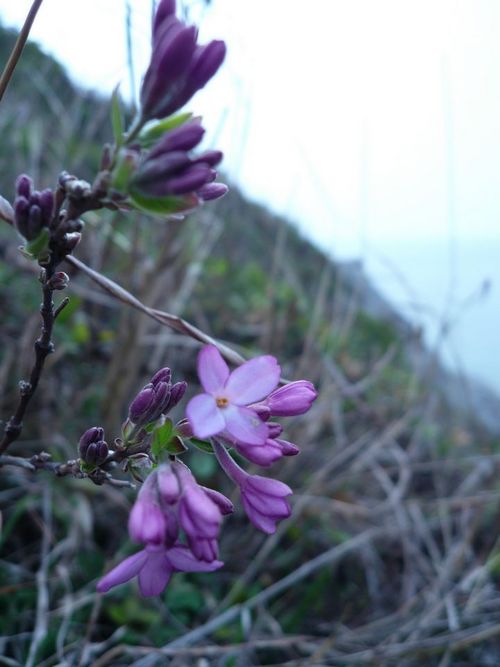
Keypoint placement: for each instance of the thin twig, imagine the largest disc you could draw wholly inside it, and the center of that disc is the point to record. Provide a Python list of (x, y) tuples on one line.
[(18, 47)]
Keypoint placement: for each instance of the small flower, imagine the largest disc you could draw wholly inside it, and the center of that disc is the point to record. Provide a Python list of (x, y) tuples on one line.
[(147, 522), (32, 209), (92, 447), (157, 398), (153, 567), (263, 498), (178, 67), (168, 170), (295, 398), (199, 516), (268, 453), (222, 407)]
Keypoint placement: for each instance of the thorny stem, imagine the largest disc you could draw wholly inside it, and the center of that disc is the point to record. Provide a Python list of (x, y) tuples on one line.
[(18, 47), (43, 347)]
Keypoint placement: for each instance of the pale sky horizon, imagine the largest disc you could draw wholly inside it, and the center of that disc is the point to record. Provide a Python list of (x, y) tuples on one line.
[(375, 127)]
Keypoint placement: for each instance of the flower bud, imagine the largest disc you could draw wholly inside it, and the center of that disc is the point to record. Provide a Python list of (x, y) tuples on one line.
[(24, 185), (92, 447), (59, 281)]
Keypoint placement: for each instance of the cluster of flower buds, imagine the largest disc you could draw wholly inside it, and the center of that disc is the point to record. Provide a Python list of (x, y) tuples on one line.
[(93, 449), (171, 501), (177, 520), (157, 398), (33, 210), (168, 170), (179, 67)]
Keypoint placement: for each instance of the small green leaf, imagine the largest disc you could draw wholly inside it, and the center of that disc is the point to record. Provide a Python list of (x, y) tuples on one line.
[(39, 245), (116, 118), (160, 205), (86, 467), (154, 131), (161, 437), (123, 170), (203, 445)]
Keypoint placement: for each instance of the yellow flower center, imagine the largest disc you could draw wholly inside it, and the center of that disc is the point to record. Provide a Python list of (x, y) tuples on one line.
[(222, 402)]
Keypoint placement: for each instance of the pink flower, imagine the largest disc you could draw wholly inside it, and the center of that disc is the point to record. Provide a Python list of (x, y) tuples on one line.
[(147, 522), (263, 498), (154, 566), (199, 516), (223, 406)]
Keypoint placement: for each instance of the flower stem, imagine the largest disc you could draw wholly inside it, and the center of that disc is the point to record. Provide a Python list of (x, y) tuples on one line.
[(18, 47), (228, 464), (43, 347)]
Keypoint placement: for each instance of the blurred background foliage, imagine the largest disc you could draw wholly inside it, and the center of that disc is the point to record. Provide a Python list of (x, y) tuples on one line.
[(396, 482)]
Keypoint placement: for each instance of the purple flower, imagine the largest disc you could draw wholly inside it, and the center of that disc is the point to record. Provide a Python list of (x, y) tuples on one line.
[(265, 455), (92, 447), (169, 171), (263, 498), (222, 407), (199, 516), (156, 398), (294, 398), (178, 67), (147, 522), (153, 567), (32, 209)]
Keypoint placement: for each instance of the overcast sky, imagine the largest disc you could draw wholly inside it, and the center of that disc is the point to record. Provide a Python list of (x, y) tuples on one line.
[(375, 125)]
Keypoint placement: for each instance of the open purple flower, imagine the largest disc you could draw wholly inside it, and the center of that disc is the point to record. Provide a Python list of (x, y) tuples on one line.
[(263, 498), (153, 566), (223, 406)]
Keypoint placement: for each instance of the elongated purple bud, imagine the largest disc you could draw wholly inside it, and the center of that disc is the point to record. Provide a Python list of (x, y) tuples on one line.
[(183, 138), (212, 158), (193, 178), (165, 9), (47, 205), (34, 221), (163, 375), (176, 393), (24, 185), (212, 191)]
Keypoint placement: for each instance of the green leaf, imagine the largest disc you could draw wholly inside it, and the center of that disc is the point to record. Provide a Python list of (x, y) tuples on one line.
[(203, 445), (123, 170), (160, 205), (39, 245), (154, 131), (161, 438), (116, 118)]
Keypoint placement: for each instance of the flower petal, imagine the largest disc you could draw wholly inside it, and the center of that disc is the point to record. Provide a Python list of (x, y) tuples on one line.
[(123, 572), (253, 380), (183, 560), (212, 369), (204, 416), (155, 575), (244, 425)]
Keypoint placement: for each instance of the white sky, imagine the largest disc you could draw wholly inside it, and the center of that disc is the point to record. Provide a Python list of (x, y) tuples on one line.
[(374, 124)]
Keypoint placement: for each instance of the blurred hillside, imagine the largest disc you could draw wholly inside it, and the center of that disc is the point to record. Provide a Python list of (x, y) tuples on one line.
[(391, 556)]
